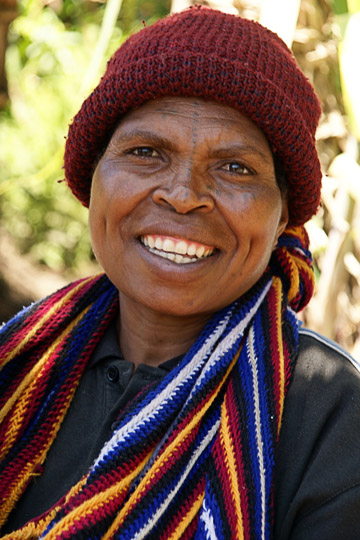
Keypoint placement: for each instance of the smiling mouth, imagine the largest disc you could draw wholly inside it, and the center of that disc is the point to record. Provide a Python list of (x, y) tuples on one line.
[(178, 250)]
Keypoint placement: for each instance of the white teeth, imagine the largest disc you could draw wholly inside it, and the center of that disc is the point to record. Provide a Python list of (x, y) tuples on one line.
[(158, 243), (175, 251), (172, 257), (200, 251), (168, 245), (181, 247)]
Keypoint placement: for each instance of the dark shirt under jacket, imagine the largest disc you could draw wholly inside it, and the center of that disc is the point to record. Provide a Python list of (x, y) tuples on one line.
[(317, 475)]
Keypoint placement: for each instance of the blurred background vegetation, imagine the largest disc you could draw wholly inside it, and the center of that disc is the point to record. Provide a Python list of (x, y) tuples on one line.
[(52, 53)]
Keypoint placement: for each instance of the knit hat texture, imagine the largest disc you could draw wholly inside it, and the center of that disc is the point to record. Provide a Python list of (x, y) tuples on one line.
[(216, 56)]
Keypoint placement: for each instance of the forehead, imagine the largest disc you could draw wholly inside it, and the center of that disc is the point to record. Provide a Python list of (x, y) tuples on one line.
[(189, 114)]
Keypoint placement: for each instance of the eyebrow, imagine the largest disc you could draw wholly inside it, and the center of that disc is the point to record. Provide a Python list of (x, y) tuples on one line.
[(148, 137), (153, 139), (243, 148)]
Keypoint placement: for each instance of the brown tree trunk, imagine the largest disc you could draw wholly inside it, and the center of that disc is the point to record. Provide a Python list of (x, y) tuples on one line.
[(21, 281), (8, 12)]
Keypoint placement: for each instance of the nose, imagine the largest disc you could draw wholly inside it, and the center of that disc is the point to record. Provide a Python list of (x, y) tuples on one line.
[(183, 197)]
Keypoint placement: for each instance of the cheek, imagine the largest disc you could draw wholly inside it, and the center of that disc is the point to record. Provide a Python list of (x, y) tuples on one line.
[(98, 218), (256, 225), (264, 234), (110, 210)]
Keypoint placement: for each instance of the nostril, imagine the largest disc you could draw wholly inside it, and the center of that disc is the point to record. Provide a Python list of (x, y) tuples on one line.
[(183, 199)]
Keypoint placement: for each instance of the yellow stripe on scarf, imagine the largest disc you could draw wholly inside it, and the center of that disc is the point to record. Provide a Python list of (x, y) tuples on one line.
[(231, 468), (278, 289), (189, 516)]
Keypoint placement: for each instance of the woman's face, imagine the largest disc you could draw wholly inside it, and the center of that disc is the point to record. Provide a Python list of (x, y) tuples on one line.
[(185, 208)]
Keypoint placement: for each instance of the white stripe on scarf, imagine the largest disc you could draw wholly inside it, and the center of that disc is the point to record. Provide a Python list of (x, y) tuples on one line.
[(157, 515), (254, 361), (208, 520)]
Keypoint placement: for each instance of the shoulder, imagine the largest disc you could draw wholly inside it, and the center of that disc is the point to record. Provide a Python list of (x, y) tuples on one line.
[(325, 385), (325, 391), (325, 376), (318, 468), (324, 354)]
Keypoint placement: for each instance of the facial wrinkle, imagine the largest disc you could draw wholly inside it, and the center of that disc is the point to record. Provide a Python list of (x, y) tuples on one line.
[(166, 109)]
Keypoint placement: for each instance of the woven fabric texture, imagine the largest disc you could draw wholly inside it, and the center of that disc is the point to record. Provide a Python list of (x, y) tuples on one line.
[(215, 56), (193, 456)]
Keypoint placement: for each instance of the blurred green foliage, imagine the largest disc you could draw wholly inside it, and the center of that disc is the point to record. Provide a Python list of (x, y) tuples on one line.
[(48, 55)]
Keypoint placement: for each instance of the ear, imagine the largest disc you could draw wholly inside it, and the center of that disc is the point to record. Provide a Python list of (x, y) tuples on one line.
[(284, 219)]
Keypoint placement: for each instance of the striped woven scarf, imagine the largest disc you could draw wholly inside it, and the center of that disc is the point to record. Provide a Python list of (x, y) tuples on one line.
[(193, 457)]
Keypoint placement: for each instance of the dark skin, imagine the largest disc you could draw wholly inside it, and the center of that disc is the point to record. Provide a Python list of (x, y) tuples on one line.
[(192, 176)]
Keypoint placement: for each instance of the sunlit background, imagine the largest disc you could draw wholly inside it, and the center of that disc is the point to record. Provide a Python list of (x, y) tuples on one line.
[(52, 54)]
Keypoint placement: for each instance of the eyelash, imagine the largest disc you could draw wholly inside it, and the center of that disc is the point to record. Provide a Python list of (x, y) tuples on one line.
[(245, 170), (137, 151)]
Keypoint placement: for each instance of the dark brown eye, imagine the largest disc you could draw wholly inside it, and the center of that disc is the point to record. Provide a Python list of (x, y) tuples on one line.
[(144, 151), (237, 168)]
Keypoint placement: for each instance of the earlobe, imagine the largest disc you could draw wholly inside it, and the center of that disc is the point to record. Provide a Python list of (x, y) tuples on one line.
[(284, 219)]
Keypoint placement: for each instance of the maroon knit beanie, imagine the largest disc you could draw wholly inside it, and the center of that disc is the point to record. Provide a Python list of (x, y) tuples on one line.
[(225, 58)]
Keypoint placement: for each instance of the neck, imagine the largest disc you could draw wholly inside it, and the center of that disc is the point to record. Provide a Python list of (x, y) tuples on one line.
[(150, 337)]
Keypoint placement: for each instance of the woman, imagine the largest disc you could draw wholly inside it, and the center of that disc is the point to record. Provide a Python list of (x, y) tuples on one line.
[(176, 396)]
